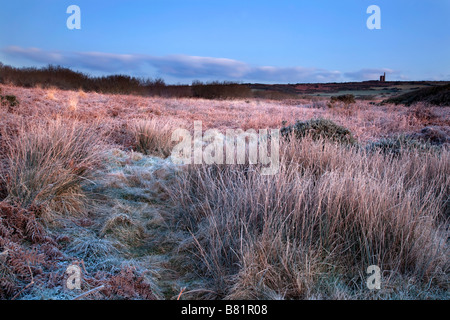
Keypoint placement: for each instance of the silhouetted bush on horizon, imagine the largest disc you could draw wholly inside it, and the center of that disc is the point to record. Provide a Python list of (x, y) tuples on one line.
[(67, 79), (220, 90)]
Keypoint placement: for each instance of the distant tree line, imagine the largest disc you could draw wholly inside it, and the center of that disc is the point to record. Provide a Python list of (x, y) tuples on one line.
[(220, 90), (67, 79)]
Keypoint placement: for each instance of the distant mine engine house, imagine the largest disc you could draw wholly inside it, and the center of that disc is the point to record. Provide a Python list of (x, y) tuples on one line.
[(383, 77)]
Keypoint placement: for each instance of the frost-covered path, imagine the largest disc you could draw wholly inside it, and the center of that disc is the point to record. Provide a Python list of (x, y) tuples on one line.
[(132, 213)]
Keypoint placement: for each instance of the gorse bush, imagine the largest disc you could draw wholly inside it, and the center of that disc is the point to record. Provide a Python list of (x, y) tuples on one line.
[(347, 99), (400, 144), (319, 129), (9, 100)]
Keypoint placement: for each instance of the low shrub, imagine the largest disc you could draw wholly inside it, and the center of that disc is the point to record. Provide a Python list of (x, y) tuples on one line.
[(346, 98), (399, 144), (423, 113), (9, 100), (433, 135), (319, 129)]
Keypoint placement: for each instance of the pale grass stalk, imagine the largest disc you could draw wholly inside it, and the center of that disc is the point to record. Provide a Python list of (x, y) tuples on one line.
[(327, 215), (49, 161)]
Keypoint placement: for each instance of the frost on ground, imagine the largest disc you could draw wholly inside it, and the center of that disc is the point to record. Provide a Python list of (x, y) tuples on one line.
[(141, 227), (125, 234)]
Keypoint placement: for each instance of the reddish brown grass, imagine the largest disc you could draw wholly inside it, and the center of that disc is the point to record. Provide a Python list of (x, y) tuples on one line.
[(308, 232)]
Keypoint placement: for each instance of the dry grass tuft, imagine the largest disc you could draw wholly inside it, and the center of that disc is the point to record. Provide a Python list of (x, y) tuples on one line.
[(124, 228), (50, 95), (48, 162), (153, 136), (82, 94), (73, 104), (327, 215)]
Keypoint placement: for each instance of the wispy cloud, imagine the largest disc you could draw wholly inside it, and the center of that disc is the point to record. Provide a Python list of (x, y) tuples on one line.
[(95, 61), (186, 67), (192, 66)]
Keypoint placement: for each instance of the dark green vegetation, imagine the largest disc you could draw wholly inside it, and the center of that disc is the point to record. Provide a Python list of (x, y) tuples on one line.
[(319, 129), (346, 98), (220, 90), (396, 145), (436, 95), (365, 90), (8, 100)]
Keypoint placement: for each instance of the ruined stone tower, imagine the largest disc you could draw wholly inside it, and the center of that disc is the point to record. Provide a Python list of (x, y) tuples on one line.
[(383, 77)]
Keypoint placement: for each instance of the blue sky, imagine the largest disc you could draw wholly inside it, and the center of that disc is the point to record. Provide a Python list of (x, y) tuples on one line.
[(284, 41)]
